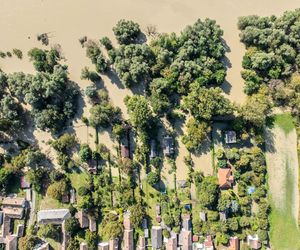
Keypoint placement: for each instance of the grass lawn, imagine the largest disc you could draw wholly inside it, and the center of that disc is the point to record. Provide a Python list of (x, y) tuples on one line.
[(78, 179), (49, 203), (14, 187), (285, 122), (151, 198), (284, 232)]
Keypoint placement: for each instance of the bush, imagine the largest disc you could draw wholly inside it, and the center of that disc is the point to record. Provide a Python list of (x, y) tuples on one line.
[(49, 231), (57, 190), (91, 91), (126, 32), (85, 153), (87, 74), (152, 178), (166, 233), (168, 220), (83, 191), (72, 226), (18, 53), (94, 53), (212, 215), (105, 41), (222, 164)]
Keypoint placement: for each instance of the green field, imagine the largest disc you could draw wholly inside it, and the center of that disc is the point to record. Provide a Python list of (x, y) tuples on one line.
[(284, 233), (285, 122)]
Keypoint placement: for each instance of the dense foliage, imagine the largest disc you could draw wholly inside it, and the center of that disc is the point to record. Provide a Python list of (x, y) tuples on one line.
[(126, 32), (272, 58)]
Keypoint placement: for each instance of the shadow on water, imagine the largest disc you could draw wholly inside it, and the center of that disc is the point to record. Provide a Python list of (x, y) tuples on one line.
[(114, 78), (226, 86)]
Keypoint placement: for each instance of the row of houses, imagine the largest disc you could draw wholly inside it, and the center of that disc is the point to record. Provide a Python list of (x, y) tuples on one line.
[(13, 211), (185, 240), (167, 143)]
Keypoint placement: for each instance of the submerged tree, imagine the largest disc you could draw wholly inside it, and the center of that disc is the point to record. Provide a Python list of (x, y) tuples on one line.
[(126, 32)]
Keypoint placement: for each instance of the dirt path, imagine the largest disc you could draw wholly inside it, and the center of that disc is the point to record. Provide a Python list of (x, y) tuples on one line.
[(282, 162)]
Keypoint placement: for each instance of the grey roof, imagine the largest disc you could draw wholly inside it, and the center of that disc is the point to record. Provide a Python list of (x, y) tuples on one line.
[(230, 136), (156, 237), (53, 214), (152, 149), (168, 144)]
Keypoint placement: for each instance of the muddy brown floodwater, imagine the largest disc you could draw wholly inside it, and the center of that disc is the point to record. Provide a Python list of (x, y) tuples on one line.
[(68, 20)]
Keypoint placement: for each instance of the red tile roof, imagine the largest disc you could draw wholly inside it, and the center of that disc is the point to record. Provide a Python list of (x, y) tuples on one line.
[(234, 243), (225, 177)]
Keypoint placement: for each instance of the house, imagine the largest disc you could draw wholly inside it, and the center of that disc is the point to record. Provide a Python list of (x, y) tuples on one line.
[(13, 202), (146, 233), (113, 244), (208, 243), (186, 240), (253, 242), (103, 246), (202, 216), (92, 170), (142, 243), (92, 224), (195, 238), (144, 223), (128, 232), (152, 149), (72, 196), (20, 230), (124, 151), (157, 209), (14, 207), (65, 198), (42, 246), (158, 219), (234, 243), (11, 242), (156, 237), (126, 221), (83, 246), (182, 183), (28, 194), (128, 239), (1, 217), (225, 178), (23, 183), (230, 137), (223, 216), (168, 146), (82, 218), (6, 225), (172, 243), (53, 216), (186, 222), (14, 212)]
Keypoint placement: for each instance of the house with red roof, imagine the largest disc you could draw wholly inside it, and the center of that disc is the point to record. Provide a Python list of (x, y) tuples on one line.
[(225, 178)]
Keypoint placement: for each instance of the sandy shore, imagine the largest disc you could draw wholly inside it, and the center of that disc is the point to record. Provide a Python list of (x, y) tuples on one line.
[(68, 20)]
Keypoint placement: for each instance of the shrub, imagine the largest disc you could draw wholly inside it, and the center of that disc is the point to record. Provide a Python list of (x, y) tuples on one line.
[(126, 32), (18, 53), (152, 178)]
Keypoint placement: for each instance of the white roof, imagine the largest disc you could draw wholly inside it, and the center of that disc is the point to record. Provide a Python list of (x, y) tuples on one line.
[(53, 214)]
